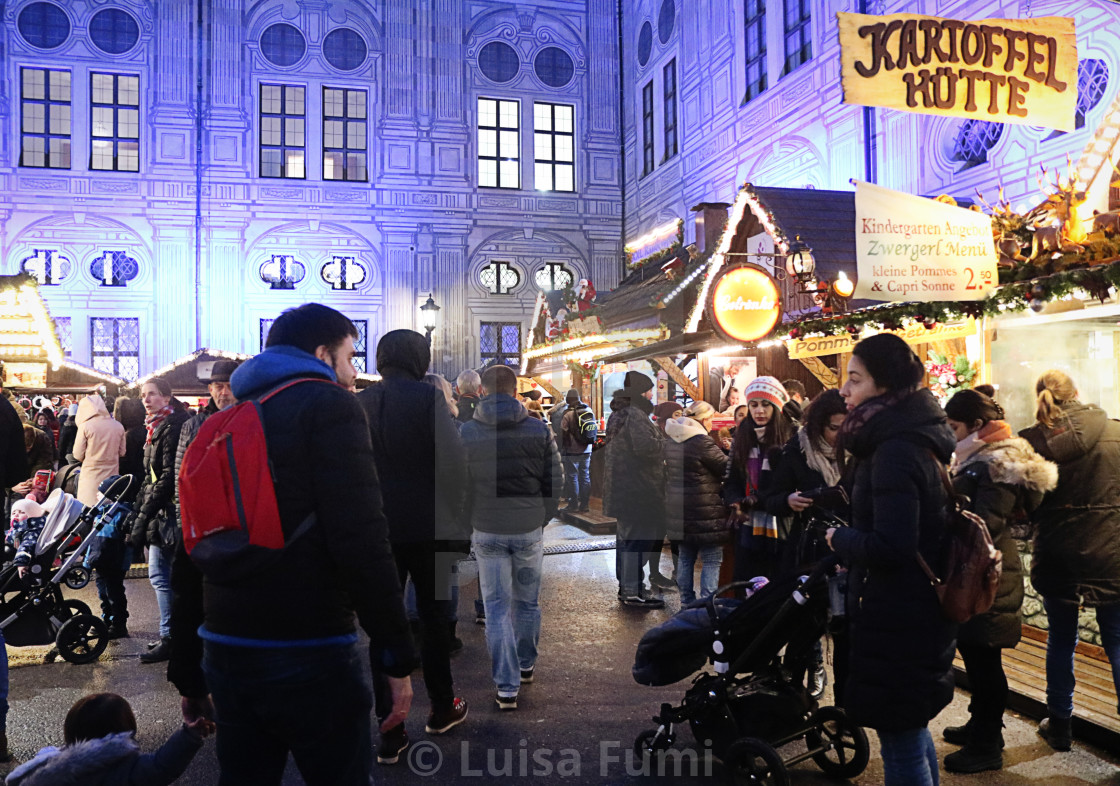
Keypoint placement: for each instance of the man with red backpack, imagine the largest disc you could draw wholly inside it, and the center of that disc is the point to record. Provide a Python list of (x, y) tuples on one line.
[(281, 656), (578, 431)]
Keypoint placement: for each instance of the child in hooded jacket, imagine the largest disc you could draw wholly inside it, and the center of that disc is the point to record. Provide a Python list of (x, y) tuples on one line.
[(28, 520), (100, 750)]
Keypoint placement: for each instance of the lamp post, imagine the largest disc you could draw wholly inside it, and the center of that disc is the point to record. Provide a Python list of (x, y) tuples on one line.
[(429, 314), (800, 263)]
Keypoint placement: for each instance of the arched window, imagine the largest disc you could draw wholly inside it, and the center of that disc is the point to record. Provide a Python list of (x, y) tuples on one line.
[(49, 268), (282, 271), (973, 140), (553, 276), (500, 278), (114, 269), (344, 274)]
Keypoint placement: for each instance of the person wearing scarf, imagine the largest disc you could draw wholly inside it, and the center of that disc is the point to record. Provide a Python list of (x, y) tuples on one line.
[(1000, 474), (901, 645)]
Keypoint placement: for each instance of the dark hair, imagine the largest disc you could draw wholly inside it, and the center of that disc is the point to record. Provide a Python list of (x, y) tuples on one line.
[(96, 716), (309, 327), (775, 436), (499, 379), (162, 385), (986, 389), (820, 411), (890, 361), (793, 386), (129, 412), (969, 406)]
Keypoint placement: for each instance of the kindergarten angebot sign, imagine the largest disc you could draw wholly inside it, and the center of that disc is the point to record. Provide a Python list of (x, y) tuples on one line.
[(1002, 70), (911, 249)]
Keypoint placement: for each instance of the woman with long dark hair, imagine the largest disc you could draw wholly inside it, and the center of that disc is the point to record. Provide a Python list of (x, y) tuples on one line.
[(999, 474), (901, 645), (760, 544)]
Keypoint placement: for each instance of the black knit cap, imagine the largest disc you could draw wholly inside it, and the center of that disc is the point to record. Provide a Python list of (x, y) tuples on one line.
[(637, 382)]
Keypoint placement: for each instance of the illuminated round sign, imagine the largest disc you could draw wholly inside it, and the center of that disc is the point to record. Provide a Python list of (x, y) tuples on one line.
[(745, 303)]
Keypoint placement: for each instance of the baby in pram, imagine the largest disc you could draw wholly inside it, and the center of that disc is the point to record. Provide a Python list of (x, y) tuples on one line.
[(28, 520)]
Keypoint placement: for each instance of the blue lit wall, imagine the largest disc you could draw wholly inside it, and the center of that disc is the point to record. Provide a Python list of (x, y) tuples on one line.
[(419, 224)]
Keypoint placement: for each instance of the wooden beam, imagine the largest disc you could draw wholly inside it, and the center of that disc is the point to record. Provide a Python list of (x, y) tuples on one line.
[(678, 376), (544, 383), (822, 372)]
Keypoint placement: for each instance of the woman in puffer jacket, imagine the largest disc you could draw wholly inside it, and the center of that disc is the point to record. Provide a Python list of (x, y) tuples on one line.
[(1075, 554), (1001, 475), (696, 516)]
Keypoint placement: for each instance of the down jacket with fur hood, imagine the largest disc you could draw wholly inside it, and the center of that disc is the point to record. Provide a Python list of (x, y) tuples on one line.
[(1000, 479), (695, 467), (114, 760)]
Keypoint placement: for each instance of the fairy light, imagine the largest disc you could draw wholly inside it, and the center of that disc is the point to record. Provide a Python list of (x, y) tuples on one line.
[(655, 235), (681, 287), (580, 342), (716, 262), (70, 364)]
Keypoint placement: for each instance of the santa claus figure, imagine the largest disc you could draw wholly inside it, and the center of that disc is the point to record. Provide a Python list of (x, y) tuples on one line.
[(556, 324), (585, 295)]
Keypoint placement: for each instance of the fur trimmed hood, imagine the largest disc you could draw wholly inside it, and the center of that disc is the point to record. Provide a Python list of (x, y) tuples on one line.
[(684, 428), (79, 764), (1015, 462)]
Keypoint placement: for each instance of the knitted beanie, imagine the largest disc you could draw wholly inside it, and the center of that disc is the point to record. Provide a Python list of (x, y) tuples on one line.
[(767, 389)]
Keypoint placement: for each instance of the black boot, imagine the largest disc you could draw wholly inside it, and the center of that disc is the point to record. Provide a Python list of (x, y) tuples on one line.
[(1056, 732), (159, 653), (982, 751), (959, 735)]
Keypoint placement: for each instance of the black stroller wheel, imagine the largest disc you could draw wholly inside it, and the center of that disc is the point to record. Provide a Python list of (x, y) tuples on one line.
[(848, 749), (76, 577), (82, 639), (651, 743), (751, 761), (75, 607)]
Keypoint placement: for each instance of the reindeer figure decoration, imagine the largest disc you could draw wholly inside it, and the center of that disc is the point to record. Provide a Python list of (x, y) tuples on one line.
[(1009, 229), (1108, 224), (1067, 235)]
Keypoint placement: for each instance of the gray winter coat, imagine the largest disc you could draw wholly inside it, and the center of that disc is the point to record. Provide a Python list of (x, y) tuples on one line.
[(114, 760), (1000, 479), (1076, 550)]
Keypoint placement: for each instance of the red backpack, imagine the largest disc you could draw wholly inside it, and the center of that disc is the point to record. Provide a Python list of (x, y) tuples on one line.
[(231, 522)]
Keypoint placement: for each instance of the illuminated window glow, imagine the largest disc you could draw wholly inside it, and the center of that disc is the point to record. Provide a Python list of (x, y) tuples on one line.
[(45, 118), (282, 131), (115, 122), (344, 134), (499, 143), (554, 147)]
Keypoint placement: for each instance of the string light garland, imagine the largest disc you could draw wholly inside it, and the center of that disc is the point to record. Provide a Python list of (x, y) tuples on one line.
[(717, 259), (83, 369), (219, 353), (30, 331), (659, 234)]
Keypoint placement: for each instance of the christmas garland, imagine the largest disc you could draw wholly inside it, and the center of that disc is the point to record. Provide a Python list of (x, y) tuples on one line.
[(658, 257)]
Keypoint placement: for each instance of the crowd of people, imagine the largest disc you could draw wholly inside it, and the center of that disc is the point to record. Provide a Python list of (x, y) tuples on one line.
[(388, 490)]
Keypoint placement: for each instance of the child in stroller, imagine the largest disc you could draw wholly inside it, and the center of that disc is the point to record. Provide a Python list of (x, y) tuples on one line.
[(756, 701), (28, 520)]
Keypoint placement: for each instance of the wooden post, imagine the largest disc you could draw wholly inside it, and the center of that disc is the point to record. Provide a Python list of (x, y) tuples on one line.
[(678, 376), (818, 369), (544, 383)]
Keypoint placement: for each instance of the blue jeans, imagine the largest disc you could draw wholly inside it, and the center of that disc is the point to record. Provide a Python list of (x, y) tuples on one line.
[(312, 702), (159, 574), (509, 576), (711, 557), (1060, 644), (577, 478), (909, 758)]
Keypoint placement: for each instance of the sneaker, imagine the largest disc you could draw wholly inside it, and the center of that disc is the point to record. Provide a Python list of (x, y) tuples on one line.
[(818, 679), (643, 602), (480, 618), (975, 758), (507, 702), (526, 676), (393, 743), (447, 719)]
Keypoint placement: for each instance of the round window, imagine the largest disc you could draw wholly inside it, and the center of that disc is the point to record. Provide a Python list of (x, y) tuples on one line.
[(114, 31), (344, 49), (645, 43), (499, 61), (282, 45), (554, 66), (44, 25), (665, 20)]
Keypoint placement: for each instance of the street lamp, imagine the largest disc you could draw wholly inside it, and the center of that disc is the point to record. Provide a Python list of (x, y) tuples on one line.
[(429, 313), (800, 263)]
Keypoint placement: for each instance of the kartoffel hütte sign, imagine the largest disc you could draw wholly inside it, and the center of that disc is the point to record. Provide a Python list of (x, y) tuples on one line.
[(911, 249), (1002, 70)]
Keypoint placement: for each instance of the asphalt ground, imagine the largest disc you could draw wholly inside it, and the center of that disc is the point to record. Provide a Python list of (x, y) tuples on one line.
[(576, 723)]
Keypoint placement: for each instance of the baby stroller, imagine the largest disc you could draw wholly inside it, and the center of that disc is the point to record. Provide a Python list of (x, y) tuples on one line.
[(33, 610), (756, 701)]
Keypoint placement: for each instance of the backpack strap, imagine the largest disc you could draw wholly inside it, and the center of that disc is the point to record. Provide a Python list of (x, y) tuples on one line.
[(952, 505), (291, 383)]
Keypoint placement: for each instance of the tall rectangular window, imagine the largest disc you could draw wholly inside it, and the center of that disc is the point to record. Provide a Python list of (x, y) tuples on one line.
[(266, 325), (669, 74), (114, 101), (45, 118), (499, 144), (115, 346), (65, 335), (344, 134), (360, 343), (282, 131), (647, 128), (755, 49), (554, 144), (500, 342), (799, 47)]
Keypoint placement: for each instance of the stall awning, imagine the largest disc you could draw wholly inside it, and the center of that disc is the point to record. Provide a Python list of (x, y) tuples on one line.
[(682, 344)]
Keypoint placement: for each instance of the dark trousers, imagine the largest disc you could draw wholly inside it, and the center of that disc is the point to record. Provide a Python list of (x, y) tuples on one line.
[(431, 575), (110, 569), (984, 666), (312, 702)]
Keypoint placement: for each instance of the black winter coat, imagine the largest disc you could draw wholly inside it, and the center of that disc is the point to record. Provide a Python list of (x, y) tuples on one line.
[(420, 459), (901, 645), (1000, 479), (13, 455), (67, 436), (466, 405), (695, 465), (1075, 554), (635, 467), (156, 521), (515, 476)]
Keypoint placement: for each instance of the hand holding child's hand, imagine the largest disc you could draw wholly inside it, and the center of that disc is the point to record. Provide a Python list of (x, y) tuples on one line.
[(198, 716)]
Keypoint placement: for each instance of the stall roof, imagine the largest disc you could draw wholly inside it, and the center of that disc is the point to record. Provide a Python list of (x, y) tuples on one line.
[(636, 300), (681, 344)]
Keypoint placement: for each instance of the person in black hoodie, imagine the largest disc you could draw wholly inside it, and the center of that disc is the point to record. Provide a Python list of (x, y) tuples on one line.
[(901, 644), (422, 468), (281, 651), (155, 522), (1075, 552), (514, 484)]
